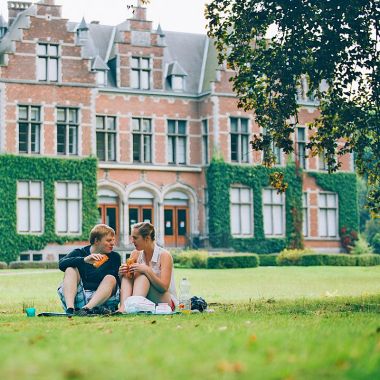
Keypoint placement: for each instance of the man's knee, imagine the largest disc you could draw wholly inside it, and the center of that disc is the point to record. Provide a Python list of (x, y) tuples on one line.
[(110, 281), (72, 273)]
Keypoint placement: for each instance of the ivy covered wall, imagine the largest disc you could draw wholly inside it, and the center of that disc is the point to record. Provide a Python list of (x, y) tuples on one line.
[(220, 177), (47, 170)]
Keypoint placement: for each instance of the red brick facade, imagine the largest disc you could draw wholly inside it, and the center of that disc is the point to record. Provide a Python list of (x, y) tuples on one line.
[(76, 88)]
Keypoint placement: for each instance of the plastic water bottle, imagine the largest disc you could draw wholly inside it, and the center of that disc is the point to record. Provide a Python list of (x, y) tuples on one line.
[(184, 296)]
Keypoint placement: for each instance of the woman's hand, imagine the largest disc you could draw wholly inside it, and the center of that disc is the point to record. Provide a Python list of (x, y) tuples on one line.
[(139, 268), (123, 270)]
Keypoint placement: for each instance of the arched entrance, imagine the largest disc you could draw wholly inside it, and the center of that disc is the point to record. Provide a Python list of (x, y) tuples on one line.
[(176, 219), (141, 207)]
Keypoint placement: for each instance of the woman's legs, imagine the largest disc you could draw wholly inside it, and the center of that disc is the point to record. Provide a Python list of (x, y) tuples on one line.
[(126, 289)]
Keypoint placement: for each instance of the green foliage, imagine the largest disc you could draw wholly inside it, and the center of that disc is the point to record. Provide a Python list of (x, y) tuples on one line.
[(344, 184), (3, 265), (233, 261), (334, 50), (361, 247), (48, 170), (368, 260), (376, 243), (291, 256), (220, 177), (268, 260), (190, 259)]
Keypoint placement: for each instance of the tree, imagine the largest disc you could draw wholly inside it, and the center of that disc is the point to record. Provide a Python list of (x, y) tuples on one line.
[(335, 45)]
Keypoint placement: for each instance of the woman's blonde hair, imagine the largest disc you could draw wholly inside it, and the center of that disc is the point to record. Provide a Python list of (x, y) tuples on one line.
[(145, 229), (99, 231)]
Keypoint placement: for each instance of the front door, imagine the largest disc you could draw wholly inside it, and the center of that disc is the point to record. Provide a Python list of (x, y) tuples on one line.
[(139, 214), (109, 214), (176, 225)]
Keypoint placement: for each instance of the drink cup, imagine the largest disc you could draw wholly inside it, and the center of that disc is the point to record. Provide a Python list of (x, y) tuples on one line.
[(30, 311)]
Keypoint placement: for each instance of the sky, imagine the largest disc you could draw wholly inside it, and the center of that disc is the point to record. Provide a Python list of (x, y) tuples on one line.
[(173, 15)]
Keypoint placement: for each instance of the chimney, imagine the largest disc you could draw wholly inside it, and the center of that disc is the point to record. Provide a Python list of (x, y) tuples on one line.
[(139, 12), (14, 8)]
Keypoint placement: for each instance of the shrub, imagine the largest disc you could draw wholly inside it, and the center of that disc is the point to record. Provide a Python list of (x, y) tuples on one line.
[(33, 265), (190, 259), (291, 256), (367, 260), (361, 247), (233, 261), (268, 260), (376, 243), (3, 265), (348, 238), (327, 259)]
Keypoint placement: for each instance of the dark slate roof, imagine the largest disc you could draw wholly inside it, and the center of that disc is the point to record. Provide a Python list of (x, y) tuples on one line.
[(188, 50)]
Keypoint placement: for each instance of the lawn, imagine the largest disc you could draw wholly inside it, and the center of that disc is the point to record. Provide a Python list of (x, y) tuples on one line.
[(269, 323)]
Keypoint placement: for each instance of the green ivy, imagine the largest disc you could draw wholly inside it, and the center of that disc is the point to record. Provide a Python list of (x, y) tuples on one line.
[(48, 170), (220, 177), (344, 184)]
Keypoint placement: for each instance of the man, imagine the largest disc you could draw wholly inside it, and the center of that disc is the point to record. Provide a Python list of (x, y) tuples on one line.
[(90, 283)]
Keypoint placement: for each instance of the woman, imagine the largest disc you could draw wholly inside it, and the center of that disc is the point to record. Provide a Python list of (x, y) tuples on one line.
[(151, 275)]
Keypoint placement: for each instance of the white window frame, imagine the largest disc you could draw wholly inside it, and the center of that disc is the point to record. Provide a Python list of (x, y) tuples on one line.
[(30, 198), (67, 199), (68, 124), (143, 134), (272, 216), (205, 142), (304, 143), (140, 69), (106, 132), (29, 121), (239, 204), (240, 134), (305, 214), (101, 77), (276, 151), (322, 215), (176, 136), (178, 82), (46, 59)]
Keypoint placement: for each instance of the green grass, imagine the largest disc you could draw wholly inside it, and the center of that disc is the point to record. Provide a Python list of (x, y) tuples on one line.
[(269, 323)]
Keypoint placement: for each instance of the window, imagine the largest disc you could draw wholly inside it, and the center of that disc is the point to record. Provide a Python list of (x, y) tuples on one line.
[(29, 129), (68, 207), (305, 214), (101, 78), (274, 150), (322, 163), (140, 73), (29, 207), (301, 147), (239, 139), (106, 138), (177, 141), (142, 140), (205, 153), (206, 207), (241, 212), (67, 131), (47, 62), (274, 213), (328, 215), (177, 82)]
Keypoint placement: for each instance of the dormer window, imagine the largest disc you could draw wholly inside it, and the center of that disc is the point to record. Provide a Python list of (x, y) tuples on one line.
[(101, 78), (82, 30), (177, 83), (176, 76)]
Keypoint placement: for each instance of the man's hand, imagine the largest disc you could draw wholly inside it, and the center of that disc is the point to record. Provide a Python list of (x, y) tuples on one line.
[(91, 259)]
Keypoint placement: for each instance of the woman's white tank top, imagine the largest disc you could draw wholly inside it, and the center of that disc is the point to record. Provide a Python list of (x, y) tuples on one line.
[(155, 264)]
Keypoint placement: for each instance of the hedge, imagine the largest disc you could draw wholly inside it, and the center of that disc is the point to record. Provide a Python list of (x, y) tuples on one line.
[(33, 265), (233, 261), (342, 259), (47, 170), (3, 265), (268, 260)]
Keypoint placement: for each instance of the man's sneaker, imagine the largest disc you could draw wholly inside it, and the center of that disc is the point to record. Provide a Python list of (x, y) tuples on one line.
[(70, 311), (84, 312), (102, 310)]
